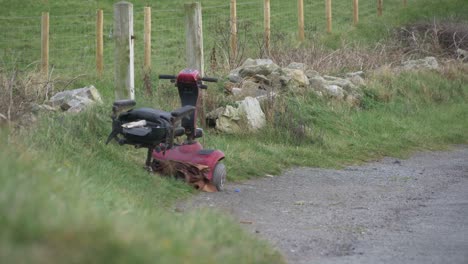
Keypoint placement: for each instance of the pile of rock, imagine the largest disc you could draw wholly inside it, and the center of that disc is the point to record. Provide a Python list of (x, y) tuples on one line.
[(245, 115), (71, 101), (257, 80), (75, 101)]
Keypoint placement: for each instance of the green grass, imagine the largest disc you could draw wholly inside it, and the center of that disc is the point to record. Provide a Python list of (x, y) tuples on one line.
[(67, 197)]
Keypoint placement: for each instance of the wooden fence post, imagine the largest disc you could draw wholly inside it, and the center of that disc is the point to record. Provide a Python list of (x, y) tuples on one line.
[(194, 36), (379, 7), (100, 43), (328, 11), (266, 17), (404, 3), (194, 46), (233, 31), (45, 44), (124, 42), (355, 12), (300, 10), (147, 59)]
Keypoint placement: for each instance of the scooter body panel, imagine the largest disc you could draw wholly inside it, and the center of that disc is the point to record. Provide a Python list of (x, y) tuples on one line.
[(193, 153)]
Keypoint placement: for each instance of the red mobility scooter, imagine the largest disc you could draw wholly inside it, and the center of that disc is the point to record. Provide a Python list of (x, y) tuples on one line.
[(156, 130)]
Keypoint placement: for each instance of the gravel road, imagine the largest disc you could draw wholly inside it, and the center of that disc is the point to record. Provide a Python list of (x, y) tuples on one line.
[(390, 211)]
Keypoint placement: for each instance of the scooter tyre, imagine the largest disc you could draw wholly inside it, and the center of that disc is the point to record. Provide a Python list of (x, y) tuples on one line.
[(219, 176)]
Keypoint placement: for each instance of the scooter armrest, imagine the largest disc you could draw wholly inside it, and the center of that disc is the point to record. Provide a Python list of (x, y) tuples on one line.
[(183, 111), (125, 103)]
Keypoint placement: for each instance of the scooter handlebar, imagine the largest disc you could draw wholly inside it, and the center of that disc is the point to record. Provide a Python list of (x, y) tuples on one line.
[(209, 79), (167, 77), (173, 77)]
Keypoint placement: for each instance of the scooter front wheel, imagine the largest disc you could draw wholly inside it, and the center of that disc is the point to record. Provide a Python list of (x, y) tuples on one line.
[(219, 176)]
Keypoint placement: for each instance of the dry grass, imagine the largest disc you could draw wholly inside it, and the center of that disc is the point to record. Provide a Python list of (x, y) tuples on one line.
[(440, 39), (435, 38), (18, 90), (347, 58)]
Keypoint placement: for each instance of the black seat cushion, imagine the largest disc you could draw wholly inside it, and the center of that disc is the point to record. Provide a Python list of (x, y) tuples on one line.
[(148, 114)]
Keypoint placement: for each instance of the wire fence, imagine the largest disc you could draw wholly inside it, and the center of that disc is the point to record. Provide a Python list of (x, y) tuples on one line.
[(73, 37)]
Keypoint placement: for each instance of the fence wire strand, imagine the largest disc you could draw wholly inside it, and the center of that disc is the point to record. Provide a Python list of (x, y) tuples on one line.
[(72, 37)]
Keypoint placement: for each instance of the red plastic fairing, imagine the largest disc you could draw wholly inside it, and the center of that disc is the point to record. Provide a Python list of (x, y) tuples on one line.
[(192, 153), (188, 76)]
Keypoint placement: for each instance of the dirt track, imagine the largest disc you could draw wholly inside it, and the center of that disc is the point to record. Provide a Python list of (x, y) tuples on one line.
[(391, 211)]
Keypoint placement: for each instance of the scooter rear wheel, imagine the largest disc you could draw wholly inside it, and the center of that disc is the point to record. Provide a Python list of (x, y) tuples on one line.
[(219, 176)]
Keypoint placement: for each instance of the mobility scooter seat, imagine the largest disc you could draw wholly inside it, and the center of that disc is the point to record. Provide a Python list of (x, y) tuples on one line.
[(148, 114)]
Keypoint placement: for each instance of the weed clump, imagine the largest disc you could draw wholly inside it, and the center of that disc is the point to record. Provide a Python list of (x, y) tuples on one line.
[(18, 90), (441, 38)]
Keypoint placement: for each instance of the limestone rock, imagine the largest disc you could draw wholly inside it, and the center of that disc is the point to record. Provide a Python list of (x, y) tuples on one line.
[(212, 116), (462, 54), (234, 76), (250, 109), (90, 92), (297, 76), (428, 63), (352, 74), (248, 116), (317, 83), (343, 83), (249, 88), (311, 73), (236, 91), (229, 121), (334, 91), (296, 66), (77, 104), (261, 66), (353, 99), (75, 101), (61, 97), (261, 79), (294, 80), (37, 108), (357, 80)]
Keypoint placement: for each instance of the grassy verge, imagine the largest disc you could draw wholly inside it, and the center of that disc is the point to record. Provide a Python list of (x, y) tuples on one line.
[(67, 197), (399, 114)]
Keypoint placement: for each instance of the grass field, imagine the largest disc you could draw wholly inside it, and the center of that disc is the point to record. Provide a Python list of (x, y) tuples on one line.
[(67, 197), (72, 29)]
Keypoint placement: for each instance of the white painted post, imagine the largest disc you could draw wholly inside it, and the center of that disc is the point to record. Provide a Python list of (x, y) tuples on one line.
[(124, 81)]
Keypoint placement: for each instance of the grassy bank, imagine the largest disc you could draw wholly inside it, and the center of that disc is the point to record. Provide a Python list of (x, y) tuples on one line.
[(67, 197)]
